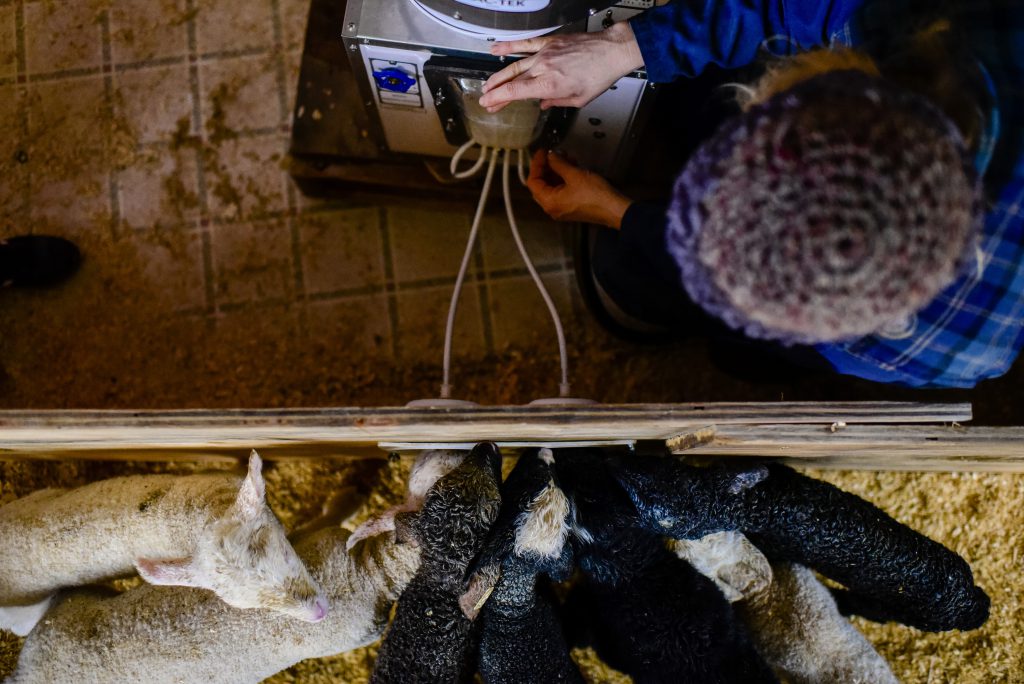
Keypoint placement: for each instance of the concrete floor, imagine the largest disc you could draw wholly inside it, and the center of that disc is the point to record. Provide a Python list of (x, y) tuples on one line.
[(153, 134)]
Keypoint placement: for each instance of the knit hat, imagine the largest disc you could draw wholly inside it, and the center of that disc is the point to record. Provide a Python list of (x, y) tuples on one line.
[(832, 209)]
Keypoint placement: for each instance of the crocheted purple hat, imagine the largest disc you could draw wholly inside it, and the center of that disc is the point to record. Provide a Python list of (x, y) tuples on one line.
[(836, 207)]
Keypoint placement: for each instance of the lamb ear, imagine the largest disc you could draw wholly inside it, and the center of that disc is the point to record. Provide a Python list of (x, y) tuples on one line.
[(481, 584), (253, 492), (175, 571), (385, 522), (405, 527)]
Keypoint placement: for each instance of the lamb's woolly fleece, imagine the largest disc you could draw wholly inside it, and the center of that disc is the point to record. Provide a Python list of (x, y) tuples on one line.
[(174, 634), (791, 616), (58, 538)]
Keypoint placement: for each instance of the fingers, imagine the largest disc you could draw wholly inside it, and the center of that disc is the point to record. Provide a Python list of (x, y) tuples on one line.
[(522, 88), (508, 73), (537, 164), (511, 47), (541, 190), (536, 181), (562, 166)]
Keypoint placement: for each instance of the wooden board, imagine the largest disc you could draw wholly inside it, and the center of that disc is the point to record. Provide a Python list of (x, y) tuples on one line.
[(355, 432), (867, 447)]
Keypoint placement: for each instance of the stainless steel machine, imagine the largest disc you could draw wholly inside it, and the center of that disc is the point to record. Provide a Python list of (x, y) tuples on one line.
[(406, 54)]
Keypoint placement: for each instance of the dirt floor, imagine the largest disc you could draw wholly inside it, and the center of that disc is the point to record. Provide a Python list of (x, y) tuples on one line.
[(155, 139)]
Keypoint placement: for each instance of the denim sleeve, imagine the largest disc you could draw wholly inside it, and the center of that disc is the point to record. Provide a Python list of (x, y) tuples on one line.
[(685, 36)]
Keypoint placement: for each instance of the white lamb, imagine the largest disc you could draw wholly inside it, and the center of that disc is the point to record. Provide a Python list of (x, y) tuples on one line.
[(172, 634), (212, 531), (430, 466), (791, 616)]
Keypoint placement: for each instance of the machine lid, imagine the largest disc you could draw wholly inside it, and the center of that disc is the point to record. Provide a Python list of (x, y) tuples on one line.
[(515, 15)]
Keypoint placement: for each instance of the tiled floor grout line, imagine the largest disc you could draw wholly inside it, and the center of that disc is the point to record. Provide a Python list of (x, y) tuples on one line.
[(348, 293), (279, 66), (217, 55), (298, 267), (23, 122), (280, 75), (483, 295), (113, 181), (521, 271), (189, 226), (427, 284), (209, 274), (389, 277), (65, 75), (258, 305), (154, 63), (274, 215)]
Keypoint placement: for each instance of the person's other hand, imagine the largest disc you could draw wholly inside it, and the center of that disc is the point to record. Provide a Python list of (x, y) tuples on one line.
[(568, 193), (564, 71)]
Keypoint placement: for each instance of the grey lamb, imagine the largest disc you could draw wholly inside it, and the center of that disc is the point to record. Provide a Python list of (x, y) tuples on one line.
[(430, 638), (791, 616)]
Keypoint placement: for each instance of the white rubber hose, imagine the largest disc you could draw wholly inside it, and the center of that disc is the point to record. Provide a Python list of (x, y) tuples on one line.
[(563, 386), (457, 157), (492, 154), (446, 387)]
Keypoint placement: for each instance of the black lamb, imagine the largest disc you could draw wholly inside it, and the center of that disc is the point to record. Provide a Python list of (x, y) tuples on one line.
[(645, 611), (430, 639), (890, 571), (521, 638)]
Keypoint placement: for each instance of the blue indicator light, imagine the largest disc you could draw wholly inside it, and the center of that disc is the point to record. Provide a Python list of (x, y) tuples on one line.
[(395, 80)]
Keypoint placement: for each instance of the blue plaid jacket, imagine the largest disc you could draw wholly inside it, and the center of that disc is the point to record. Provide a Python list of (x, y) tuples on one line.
[(975, 328)]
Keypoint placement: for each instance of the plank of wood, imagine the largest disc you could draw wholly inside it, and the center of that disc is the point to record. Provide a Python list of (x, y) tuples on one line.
[(873, 447), (102, 433)]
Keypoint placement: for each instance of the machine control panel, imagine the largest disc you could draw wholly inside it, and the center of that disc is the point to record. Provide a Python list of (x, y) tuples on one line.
[(394, 80), (397, 82)]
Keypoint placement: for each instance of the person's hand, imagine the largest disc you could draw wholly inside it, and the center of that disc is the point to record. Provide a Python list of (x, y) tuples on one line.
[(568, 193), (564, 71)]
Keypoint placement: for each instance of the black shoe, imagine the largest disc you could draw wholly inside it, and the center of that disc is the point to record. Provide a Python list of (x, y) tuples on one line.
[(37, 261)]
